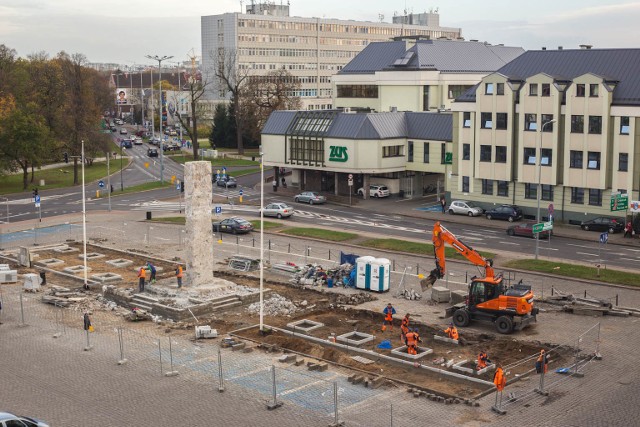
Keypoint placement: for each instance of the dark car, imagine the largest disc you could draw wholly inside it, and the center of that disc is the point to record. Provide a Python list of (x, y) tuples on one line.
[(526, 229), (233, 225), (152, 152), (170, 147), (603, 223), (507, 212), (126, 143), (227, 181)]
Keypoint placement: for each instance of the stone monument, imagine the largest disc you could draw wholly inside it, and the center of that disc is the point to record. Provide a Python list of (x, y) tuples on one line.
[(199, 232)]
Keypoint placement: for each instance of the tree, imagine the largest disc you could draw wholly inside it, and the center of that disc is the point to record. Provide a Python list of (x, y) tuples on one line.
[(195, 88)]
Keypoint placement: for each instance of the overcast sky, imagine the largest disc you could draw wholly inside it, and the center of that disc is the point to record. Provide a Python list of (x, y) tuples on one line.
[(124, 31)]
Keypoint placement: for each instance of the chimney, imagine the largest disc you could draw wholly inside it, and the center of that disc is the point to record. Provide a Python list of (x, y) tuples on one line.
[(586, 46), (559, 47), (544, 48), (393, 109)]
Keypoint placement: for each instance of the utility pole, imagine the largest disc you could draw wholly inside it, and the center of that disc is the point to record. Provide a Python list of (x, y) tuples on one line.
[(160, 59)]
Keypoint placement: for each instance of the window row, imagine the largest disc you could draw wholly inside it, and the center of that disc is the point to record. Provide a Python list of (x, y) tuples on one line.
[(393, 151), (577, 196), (357, 91), (486, 121), (487, 186), (546, 156), (426, 148), (531, 191), (531, 122)]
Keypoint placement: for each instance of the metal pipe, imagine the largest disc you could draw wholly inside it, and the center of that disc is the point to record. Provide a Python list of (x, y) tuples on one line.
[(539, 190)]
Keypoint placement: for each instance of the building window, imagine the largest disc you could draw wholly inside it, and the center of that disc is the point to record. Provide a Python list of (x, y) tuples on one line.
[(466, 119), (546, 157), (546, 89), (624, 125), (623, 162), (425, 98), (485, 153), (577, 195), (575, 159), (530, 123), (456, 91), (499, 88), (593, 90), (593, 160), (577, 124), (466, 151), (531, 191), (465, 184), (501, 154), (533, 89), (488, 88), (546, 118), (443, 153), (503, 188), (529, 156), (580, 90), (595, 125), (393, 151), (501, 120), (307, 151), (485, 119), (547, 192), (410, 152), (487, 186), (595, 197), (357, 91), (425, 153)]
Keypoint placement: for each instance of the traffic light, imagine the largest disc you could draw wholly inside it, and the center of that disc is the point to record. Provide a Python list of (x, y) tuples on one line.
[(66, 157), (182, 187)]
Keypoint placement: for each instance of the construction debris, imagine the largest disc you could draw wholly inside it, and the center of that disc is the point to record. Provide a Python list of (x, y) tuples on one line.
[(409, 294), (275, 306), (316, 275), (587, 306)]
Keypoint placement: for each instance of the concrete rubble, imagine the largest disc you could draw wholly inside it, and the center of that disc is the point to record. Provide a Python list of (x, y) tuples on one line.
[(316, 275), (588, 306), (276, 305), (409, 294)]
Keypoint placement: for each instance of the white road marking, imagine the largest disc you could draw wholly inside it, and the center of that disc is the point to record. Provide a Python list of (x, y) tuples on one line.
[(585, 253), (580, 246), (509, 243), (548, 249)]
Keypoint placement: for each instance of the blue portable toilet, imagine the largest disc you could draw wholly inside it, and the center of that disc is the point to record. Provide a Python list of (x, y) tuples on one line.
[(363, 272)]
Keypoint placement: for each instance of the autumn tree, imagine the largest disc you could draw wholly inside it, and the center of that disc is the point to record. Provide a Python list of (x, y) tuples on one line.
[(195, 87)]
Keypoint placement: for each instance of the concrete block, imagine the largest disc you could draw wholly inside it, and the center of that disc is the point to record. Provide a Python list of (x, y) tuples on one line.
[(458, 296), (119, 262), (355, 338), (285, 358), (106, 277), (239, 346), (91, 255), (322, 367), (50, 262), (440, 294), (304, 326), (358, 379), (445, 339), (76, 269), (402, 351)]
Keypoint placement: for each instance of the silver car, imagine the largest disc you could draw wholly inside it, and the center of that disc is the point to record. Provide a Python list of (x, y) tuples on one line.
[(462, 207), (278, 209), (7, 419), (310, 197)]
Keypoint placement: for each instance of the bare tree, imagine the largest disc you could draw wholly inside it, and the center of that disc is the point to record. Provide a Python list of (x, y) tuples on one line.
[(195, 88)]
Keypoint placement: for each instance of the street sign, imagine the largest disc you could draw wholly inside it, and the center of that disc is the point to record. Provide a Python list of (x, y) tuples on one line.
[(218, 210), (37, 199), (448, 158), (240, 192), (178, 185), (619, 201), (542, 226), (547, 226), (350, 182), (604, 238), (101, 184), (350, 176)]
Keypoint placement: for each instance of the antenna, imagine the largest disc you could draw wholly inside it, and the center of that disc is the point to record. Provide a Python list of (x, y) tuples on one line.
[(241, 4), (380, 17)]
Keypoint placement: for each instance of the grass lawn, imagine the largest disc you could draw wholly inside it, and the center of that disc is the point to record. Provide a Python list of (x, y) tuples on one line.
[(334, 236), (414, 248), (136, 188), (579, 271), (58, 177), (172, 219), (268, 225)]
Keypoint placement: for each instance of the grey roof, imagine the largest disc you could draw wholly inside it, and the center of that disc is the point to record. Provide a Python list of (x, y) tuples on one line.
[(443, 55), (621, 65), (278, 122), (433, 126)]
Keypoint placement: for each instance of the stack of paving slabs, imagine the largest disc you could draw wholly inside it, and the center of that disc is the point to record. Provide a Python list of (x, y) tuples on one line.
[(588, 306)]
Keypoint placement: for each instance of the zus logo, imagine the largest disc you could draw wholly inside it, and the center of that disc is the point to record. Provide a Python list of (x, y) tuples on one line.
[(338, 154)]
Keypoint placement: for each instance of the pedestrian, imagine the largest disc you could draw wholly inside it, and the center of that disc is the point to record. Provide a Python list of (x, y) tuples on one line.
[(152, 268), (275, 185), (542, 363), (388, 311), (628, 229), (443, 203), (404, 328), (179, 275), (284, 183), (452, 332), (142, 275), (87, 322)]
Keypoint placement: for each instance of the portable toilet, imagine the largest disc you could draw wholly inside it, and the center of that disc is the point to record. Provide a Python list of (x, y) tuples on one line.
[(363, 272), (380, 274)]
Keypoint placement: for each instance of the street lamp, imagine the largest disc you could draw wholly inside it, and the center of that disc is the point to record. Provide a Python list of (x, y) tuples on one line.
[(539, 190), (84, 222), (261, 238), (160, 59)]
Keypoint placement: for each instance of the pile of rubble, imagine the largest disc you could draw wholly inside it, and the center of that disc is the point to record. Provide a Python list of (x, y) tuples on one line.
[(409, 294), (276, 306), (588, 306), (354, 299), (316, 275)]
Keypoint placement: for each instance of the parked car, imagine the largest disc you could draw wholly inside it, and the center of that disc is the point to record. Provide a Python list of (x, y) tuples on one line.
[(123, 131), (152, 152), (375, 190), (233, 225), (507, 212), (227, 182), (278, 209), (603, 223), (310, 197), (170, 147), (526, 229), (11, 420), (462, 207)]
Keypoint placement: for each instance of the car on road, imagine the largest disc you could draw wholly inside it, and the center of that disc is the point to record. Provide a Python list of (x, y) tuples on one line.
[(11, 420), (311, 197), (113, 128), (123, 131), (462, 207), (170, 147), (506, 212), (375, 190), (526, 229), (137, 140), (603, 223), (278, 209), (154, 141), (118, 122), (227, 182), (152, 152), (233, 225), (142, 133), (126, 143)]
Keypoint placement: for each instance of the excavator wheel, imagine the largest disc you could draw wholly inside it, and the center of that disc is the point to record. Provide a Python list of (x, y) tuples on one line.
[(504, 324), (461, 317)]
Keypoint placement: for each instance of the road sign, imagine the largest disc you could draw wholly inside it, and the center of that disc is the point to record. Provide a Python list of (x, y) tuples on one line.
[(37, 199), (218, 210), (101, 184), (350, 182), (448, 158), (240, 192), (178, 185), (350, 176), (542, 226), (604, 237), (619, 201), (547, 226)]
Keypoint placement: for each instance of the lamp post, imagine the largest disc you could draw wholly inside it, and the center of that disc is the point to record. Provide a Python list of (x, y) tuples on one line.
[(261, 238), (84, 222), (539, 189), (160, 59), (121, 181)]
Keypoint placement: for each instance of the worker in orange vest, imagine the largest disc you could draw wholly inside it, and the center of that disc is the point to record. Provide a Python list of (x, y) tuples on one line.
[(404, 328), (542, 363), (388, 311), (142, 276), (412, 341), (179, 275), (483, 360), (499, 378), (451, 332)]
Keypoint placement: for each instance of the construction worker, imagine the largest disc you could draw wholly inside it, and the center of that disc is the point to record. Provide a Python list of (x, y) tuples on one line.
[(404, 328), (483, 360), (499, 379), (142, 275), (179, 275), (451, 332), (412, 340), (388, 311), (152, 268), (542, 363)]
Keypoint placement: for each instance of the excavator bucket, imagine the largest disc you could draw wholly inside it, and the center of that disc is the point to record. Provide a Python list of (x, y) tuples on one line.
[(428, 281)]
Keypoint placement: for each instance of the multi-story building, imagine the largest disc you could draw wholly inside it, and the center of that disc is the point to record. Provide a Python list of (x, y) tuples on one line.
[(565, 119), (266, 38), (416, 75)]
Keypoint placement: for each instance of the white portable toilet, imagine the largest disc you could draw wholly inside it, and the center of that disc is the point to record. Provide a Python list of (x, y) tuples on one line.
[(363, 272), (32, 282), (380, 274)]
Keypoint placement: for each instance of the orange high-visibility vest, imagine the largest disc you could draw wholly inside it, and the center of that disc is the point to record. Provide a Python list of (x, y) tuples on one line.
[(412, 339), (499, 379), (142, 273), (482, 360), (179, 273), (452, 332)]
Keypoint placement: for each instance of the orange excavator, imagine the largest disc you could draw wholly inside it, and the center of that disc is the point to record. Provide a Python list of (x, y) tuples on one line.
[(489, 299)]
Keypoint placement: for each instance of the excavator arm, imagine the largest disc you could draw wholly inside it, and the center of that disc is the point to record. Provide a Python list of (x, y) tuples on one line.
[(441, 236)]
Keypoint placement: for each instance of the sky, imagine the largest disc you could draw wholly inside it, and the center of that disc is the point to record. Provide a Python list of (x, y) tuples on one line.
[(124, 31)]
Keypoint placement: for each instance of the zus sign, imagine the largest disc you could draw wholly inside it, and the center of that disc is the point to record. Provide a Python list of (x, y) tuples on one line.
[(338, 154)]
